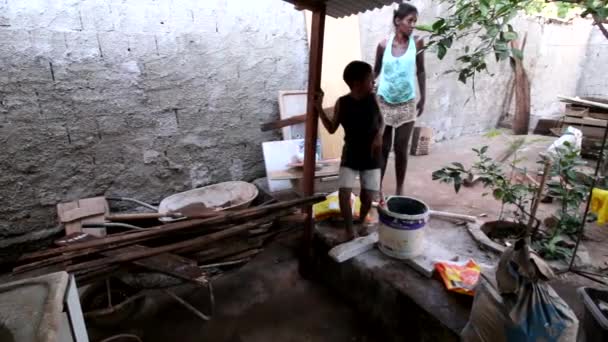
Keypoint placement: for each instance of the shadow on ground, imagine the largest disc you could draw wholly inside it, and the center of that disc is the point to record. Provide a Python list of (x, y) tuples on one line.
[(266, 300)]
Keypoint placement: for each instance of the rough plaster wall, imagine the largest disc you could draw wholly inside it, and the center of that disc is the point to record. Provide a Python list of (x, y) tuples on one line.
[(558, 59), (136, 98), (452, 108), (593, 80), (553, 57)]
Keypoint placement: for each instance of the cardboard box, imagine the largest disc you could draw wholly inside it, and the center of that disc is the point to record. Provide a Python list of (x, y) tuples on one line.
[(421, 141)]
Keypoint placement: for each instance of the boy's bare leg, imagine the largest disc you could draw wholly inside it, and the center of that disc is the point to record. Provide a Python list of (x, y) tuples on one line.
[(347, 212), (402, 140), (367, 197)]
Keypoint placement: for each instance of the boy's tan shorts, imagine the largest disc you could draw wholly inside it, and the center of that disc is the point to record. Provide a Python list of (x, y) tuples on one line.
[(370, 179)]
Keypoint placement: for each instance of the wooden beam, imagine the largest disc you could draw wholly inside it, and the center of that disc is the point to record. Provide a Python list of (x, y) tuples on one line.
[(294, 120), (117, 240), (315, 64), (582, 102)]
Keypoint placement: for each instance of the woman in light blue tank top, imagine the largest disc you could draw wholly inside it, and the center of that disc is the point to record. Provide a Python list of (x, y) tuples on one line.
[(399, 63)]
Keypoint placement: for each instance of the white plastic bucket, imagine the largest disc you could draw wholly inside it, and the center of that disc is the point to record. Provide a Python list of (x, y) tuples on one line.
[(402, 222)]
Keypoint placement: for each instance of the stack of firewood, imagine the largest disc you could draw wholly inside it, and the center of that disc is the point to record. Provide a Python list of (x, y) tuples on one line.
[(181, 249)]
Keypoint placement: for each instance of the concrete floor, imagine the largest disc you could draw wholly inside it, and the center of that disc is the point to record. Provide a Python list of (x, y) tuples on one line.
[(419, 184), (266, 300)]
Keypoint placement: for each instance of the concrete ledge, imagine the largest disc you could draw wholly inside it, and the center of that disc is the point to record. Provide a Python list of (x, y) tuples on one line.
[(407, 305)]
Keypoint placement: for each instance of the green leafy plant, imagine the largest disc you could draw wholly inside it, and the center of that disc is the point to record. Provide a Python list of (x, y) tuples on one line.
[(489, 21), (491, 175), (567, 186), (571, 190), (564, 184), (553, 248)]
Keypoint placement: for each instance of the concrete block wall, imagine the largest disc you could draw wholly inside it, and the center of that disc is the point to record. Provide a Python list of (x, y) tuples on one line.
[(139, 98)]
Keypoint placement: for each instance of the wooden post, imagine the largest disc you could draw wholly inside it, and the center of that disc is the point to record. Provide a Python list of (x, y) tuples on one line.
[(315, 62)]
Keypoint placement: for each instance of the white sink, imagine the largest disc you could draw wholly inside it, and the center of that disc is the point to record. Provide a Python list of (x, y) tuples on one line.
[(33, 309)]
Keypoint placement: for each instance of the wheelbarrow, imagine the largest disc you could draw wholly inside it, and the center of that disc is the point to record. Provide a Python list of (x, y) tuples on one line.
[(119, 298), (212, 198)]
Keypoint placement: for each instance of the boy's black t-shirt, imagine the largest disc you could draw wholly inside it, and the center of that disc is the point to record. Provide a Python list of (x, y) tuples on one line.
[(361, 121)]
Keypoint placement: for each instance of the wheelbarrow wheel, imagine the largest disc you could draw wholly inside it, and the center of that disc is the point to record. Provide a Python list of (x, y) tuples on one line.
[(110, 302)]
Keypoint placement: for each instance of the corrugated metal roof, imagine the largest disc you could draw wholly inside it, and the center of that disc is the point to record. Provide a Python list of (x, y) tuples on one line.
[(344, 8)]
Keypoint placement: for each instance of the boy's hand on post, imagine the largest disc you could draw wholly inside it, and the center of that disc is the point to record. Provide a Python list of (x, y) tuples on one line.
[(319, 100)]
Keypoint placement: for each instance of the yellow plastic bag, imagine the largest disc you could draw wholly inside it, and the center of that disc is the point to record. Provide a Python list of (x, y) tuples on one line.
[(459, 277), (599, 205), (330, 208)]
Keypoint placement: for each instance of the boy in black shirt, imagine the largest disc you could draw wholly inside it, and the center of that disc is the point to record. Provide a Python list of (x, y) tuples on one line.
[(360, 116)]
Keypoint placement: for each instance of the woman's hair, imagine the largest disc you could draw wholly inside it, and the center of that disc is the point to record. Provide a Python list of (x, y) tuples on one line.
[(403, 11)]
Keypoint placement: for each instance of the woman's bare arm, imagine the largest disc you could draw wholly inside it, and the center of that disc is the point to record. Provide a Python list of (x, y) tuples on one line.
[(378, 62), (420, 74)]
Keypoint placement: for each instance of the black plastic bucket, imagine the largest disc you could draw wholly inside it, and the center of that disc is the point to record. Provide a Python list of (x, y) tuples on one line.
[(595, 322)]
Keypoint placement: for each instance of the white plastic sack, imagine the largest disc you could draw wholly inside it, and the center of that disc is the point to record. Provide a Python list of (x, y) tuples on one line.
[(572, 135)]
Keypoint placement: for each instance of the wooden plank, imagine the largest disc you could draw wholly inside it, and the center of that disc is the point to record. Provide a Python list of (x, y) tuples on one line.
[(326, 171), (315, 65), (585, 121), (292, 120), (166, 263), (521, 119), (582, 102), (600, 116), (588, 131), (187, 246), (225, 218), (576, 111)]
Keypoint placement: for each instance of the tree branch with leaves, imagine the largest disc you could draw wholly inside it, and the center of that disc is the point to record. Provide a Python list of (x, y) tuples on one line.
[(489, 21)]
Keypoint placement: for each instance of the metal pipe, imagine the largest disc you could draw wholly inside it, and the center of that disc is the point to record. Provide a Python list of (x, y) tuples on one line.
[(111, 225), (589, 276), (128, 199), (189, 306), (225, 263)]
